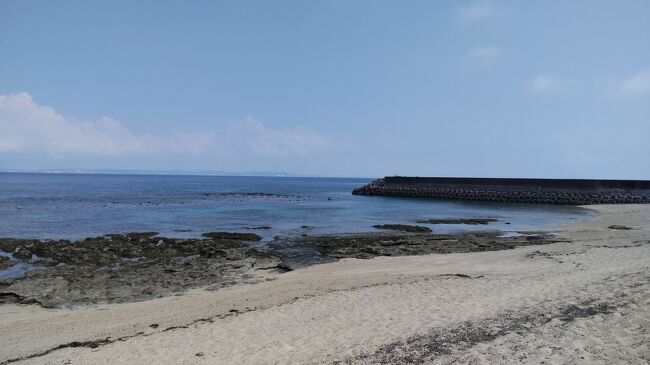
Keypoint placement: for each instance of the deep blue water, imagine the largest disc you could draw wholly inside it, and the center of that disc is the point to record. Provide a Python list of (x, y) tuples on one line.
[(75, 206)]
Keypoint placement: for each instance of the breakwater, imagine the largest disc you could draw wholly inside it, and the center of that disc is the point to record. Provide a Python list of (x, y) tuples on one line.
[(536, 191)]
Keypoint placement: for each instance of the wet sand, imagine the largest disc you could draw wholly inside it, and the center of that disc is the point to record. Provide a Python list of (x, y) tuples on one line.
[(584, 301)]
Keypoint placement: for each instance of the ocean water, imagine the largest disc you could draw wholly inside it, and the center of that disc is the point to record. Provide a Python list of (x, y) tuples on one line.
[(75, 206)]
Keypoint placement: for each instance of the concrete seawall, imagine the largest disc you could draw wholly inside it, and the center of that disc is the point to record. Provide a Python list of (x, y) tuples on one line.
[(536, 191)]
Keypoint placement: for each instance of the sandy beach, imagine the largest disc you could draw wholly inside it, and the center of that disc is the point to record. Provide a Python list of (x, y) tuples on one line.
[(583, 301), (324, 182)]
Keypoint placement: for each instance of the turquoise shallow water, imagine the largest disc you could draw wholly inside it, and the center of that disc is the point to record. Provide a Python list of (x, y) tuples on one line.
[(75, 206)]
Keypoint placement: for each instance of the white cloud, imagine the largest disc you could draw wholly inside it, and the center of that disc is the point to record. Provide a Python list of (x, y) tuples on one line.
[(476, 11), (545, 83), (637, 84), (27, 127), (275, 143)]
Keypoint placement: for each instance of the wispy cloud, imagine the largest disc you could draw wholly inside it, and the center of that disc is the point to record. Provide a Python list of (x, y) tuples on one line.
[(27, 127), (545, 83), (636, 84), (476, 11), (275, 142)]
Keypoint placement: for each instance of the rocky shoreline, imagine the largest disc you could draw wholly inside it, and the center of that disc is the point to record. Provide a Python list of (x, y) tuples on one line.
[(141, 265), (479, 307), (136, 266)]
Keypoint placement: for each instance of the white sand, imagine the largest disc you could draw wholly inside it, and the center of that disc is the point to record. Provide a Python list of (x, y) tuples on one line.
[(348, 310)]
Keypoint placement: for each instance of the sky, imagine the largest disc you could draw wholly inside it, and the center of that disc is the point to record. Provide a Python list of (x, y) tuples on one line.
[(549, 89)]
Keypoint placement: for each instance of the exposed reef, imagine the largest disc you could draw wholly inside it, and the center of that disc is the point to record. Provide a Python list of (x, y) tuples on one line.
[(470, 221), (141, 265), (135, 266), (233, 236), (403, 228), (371, 245)]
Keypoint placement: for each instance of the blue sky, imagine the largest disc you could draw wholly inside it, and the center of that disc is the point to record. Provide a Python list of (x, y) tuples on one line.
[(343, 88)]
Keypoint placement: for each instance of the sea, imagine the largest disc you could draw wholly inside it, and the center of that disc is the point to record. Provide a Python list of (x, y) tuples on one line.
[(74, 206)]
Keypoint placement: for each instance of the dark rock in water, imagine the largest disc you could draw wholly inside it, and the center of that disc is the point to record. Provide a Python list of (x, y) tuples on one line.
[(616, 226), (260, 227), (233, 236), (404, 228), (21, 252), (5, 263), (182, 230), (472, 221)]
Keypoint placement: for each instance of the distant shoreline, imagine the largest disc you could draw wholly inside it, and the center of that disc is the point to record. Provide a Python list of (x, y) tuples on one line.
[(173, 173)]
